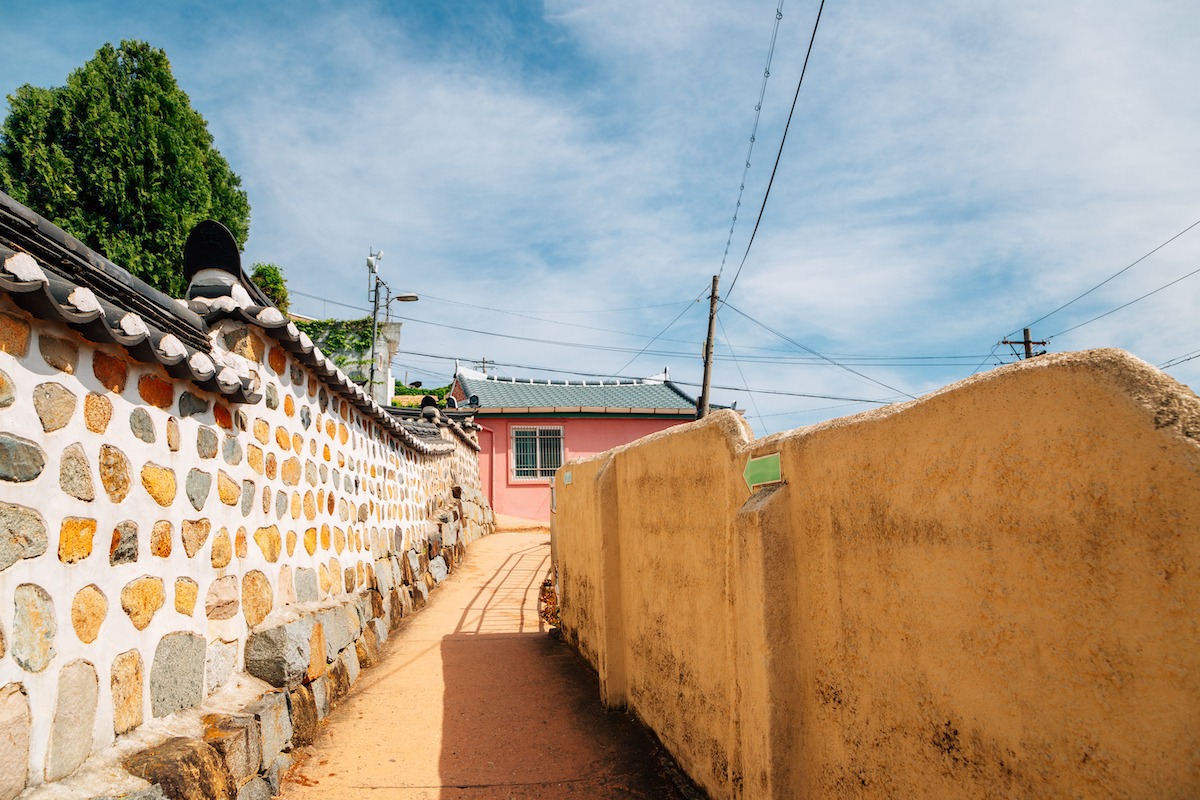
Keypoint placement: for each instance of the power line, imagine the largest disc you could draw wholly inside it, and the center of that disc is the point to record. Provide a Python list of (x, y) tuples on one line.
[(1109, 278), (1171, 362), (779, 155), (1125, 305), (742, 375), (664, 330)]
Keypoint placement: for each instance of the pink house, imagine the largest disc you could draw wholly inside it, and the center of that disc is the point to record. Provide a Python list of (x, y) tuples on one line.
[(529, 428)]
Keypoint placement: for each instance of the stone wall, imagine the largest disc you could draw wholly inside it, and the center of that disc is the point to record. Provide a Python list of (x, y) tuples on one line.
[(990, 591), (160, 544)]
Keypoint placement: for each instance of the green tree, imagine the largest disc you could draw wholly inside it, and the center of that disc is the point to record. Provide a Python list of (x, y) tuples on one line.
[(269, 278), (120, 159)]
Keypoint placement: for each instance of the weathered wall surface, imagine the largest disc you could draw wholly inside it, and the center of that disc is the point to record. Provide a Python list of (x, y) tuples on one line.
[(988, 592), (156, 539)]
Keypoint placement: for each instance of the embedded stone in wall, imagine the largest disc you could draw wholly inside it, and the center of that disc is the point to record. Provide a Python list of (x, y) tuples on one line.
[(110, 371), (272, 465), (247, 497), (222, 550), (350, 659), (339, 633), (62, 354), (160, 538), (159, 483), (238, 741), (437, 568), (268, 540), (326, 536), (241, 419), (367, 647), (275, 724), (15, 726), (351, 579), (20, 459), (272, 396), (254, 458), (186, 590), (289, 473), (14, 335), (88, 610), (186, 769), (240, 547), (190, 404), (115, 473), (177, 673), (320, 690), (231, 451), (306, 585), (221, 601), (7, 391), (295, 505), (75, 539), (246, 344), (127, 691), (289, 405), (142, 425), (75, 475), (277, 360), (282, 654), (206, 443), (317, 648), (291, 542), (22, 534), (310, 540), (304, 715), (257, 597), (262, 431), (305, 417), (195, 534), (228, 489), (197, 487), (222, 416), (124, 547), (219, 663), (74, 718), (141, 599), (156, 391), (97, 412), (173, 434)]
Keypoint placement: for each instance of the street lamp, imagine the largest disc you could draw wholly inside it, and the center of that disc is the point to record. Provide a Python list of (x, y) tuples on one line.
[(373, 260)]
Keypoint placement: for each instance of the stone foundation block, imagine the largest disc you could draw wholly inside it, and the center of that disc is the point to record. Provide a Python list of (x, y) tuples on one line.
[(280, 655), (367, 647), (304, 715), (339, 632), (350, 659), (320, 693), (15, 724), (186, 769), (339, 682), (238, 740), (177, 674), (277, 770), (274, 723), (255, 789)]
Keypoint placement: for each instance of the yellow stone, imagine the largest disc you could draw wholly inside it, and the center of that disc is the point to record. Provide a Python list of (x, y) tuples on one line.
[(272, 466), (298, 444), (325, 534), (257, 597), (88, 610), (324, 578), (310, 506), (339, 540), (254, 457), (228, 489), (186, 591), (97, 412), (75, 539), (262, 430), (310, 540), (222, 550), (295, 505), (316, 646), (290, 472), (141, 599), (160, 483), (291, 542), (283, 438), (239, 544), (343, 433), (268, 540), (195, 534), (160, 538)]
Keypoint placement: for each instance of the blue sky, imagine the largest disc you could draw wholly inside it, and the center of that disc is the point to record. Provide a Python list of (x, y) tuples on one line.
[(566, 173)]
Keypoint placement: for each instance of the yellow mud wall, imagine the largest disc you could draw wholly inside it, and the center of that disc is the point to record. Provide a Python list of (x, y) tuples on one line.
[(991, 591)]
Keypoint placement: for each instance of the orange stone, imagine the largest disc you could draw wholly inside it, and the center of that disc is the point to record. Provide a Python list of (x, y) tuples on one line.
[(195, 534), (289, 405), (339, 540), (316, 648), (272, 466), (141, 599), (269, 542), (325, 534), (262, 430), (222, 550), (114, 473), (14, 335), (277, 359), (75, 539), (112, 372), (223, 416), (160, 483), (186, 591), (228, 489), (257, 597), (310, 540), (291, 543), (290, 473), (313, 385), (88, 610), (160, 538), (156, 391), (283, 438), (239, 544), (343, 433), (254, 457), (295, 505), (327, 454), (97, 412), (310, 506), (298, 444), (330, 428)]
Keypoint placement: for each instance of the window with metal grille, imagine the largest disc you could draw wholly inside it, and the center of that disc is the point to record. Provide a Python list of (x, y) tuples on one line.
[(537, 452)]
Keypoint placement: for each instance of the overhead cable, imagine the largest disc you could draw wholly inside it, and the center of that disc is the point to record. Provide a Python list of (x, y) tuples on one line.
[(1124, 305)]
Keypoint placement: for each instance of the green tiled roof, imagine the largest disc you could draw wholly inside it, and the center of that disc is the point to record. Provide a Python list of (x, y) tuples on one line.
[(614, 396)]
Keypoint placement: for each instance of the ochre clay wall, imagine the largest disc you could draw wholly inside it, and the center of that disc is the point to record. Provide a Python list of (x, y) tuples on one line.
[(987, 592), (156, 540)]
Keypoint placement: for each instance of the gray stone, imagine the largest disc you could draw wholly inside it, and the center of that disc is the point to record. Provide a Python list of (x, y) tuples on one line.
[(55, 404), (275, 725), (34, 628), (277, 770), (304, 715), (239, 742), (320, 691), (197, 486), (219, 663), (190, 404), (324, 470), (74, 718), (305, 417), (272, 396), (280, 655), (74, 474), (310, 472), (231, 451), (124, 549), (437, 568), (255, 789), (247, 497), (155, 792), (142, 425), (7, 398), (281, 504), (381, 629), (22, 534), (241, 419), (383, 574), (338, 631), (306, 585), (20, 459), (206, 443), (15, 725), (177, 674), (350, 659)]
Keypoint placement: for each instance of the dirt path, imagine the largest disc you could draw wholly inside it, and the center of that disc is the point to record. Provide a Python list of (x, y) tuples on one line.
[(473, 699)]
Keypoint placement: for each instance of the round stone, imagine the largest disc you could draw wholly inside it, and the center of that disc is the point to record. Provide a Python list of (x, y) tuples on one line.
[(88, 610), (156, 391), (20, 459), (228, 489), (269, 542), (141, 599), (97, 412)]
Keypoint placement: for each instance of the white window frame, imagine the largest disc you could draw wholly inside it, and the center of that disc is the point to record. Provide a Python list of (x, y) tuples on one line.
[(543, 435)]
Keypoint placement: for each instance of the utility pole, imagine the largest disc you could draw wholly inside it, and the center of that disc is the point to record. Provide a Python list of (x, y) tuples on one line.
[(702, 411), (483, 366), (1028, 342)]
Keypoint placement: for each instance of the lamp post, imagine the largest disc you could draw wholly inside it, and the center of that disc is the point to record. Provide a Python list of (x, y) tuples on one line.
[(373, 260)]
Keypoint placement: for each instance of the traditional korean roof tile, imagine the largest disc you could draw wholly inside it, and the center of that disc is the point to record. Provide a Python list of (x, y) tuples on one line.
[(657, 396)]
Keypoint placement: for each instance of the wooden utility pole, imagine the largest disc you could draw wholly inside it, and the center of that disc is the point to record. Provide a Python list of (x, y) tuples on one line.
[(1027, 340), (702, 411)]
